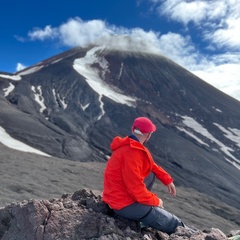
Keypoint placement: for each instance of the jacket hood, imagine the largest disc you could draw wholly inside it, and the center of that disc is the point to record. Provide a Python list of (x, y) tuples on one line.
[(119, 142)]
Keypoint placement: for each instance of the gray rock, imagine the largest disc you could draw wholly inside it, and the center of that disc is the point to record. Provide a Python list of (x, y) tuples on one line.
[(82, 215)]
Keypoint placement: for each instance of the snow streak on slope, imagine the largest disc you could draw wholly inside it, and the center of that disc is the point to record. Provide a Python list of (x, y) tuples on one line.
[(192, 136), (31, 70), (8, 90), (59, 100), (85, 67), (216, 109), (39, 98), (17, 77), (12, 77), (193, 124), (232, 134), (10, 142)]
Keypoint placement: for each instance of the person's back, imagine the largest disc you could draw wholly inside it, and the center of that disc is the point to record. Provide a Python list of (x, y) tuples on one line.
[(114, 188), (121, 178)]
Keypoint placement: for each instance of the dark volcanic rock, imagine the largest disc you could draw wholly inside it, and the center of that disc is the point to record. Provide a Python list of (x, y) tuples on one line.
[(81, 215)]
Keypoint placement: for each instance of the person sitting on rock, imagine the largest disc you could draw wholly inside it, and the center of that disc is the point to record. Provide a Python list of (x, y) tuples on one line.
[(129, 176)]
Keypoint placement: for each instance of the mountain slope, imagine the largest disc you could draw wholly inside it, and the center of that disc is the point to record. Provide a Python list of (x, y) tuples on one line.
[(72, 105)]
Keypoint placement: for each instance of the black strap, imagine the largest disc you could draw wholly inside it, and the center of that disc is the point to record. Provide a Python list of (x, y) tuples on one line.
[(148, 212)]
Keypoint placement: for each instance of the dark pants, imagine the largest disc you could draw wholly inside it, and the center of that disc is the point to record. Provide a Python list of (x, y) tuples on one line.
[(151, 216)]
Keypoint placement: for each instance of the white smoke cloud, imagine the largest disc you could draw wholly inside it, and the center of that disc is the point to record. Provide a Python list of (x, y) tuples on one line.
[(76, 32), (20, 67), (43, 34)]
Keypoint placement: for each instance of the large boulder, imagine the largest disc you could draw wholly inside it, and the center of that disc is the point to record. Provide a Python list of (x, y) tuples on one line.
[(81, 215)]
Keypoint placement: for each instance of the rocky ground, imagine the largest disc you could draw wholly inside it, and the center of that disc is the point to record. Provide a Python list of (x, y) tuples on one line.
[(82, 215), (25, 176)]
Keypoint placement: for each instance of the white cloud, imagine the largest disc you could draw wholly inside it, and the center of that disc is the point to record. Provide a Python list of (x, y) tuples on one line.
[(184, 11), (43, 34), (76, 32), (226, 37), (218, 20), (196, 11), (20, 67), (178, 48), (224, 77), (20, 38)]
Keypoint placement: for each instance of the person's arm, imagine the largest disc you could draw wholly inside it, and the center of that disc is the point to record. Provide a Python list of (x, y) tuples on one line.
[(161, 174), (165, 178)]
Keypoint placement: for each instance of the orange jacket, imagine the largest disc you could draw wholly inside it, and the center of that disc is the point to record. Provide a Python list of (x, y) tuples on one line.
[(124, 175)]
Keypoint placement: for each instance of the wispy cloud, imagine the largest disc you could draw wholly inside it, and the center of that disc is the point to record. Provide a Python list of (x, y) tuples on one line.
[(76, 32), (20, 67), (216, 23), (42, 34), (218, 20), (183, 11)]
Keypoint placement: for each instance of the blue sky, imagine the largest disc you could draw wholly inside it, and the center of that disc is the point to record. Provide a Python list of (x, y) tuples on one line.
[(202, 36)]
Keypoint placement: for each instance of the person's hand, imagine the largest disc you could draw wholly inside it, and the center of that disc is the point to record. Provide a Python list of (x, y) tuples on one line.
[(172, 189), (160, 203)]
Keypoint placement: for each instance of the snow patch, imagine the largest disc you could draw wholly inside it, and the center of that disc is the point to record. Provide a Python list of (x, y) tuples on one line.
[(193, 136), (10, 142), (60, 102), (31, 70), (12, 77), (8, 90), (85, 67), (58, 60), (233, 163), (39, 98), (233, 134), (216, 109), (17, 77), (85, 107), (193, 124), (121, 70)]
